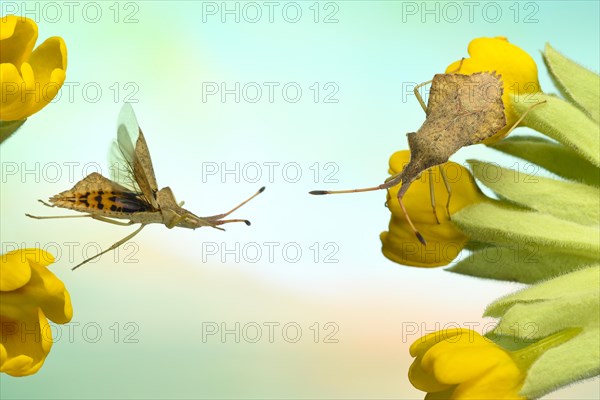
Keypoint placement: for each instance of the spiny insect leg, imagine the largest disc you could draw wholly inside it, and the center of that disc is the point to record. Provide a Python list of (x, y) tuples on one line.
[(114, 246)]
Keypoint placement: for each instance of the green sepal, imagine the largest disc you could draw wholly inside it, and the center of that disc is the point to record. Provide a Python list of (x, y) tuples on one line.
[(562, 121), (501, 224), (7, 128), (520, 262), (566, 200), (561, 304), (552, 156), (576, 83)]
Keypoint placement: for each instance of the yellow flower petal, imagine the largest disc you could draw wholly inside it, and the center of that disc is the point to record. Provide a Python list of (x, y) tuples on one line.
[(504, 381), (461, 364), (17, 39), (48, 63), (11, 83), (29, 80), (425, 380), (421, 345), (444, 240), (7, 27), (15, 271), (25, 343), (43, 290), (517, 68), (452, 363), (55, 300), (26, 338), (443, 395)]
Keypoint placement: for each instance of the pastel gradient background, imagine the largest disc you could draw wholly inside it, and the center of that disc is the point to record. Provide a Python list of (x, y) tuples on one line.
[(142, 315)]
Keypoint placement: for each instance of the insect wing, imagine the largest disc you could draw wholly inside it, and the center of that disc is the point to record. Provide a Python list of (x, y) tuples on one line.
[(120, 160), (129, 159)]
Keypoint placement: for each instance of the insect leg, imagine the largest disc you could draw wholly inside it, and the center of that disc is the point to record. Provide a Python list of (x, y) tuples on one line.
[(420, 85), (454, 71), (59, 216), (412, 226), (432, 194), (114, 246), (523, 116), (97, 217), (418, 95), (174, 220), (47, 204), (448, 189), (111, 221)]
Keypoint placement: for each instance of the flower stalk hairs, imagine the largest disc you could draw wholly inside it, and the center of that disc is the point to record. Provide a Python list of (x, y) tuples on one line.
[(29, 78)]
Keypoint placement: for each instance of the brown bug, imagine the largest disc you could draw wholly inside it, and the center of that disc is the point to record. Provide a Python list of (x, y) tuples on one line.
[(132, 193), (462, 110)]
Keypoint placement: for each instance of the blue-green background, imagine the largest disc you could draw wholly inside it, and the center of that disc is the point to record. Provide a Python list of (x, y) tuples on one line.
[(170, 293)]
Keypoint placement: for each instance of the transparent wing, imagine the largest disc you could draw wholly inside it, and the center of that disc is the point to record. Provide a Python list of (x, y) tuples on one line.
[(129, 159), (122, 150)]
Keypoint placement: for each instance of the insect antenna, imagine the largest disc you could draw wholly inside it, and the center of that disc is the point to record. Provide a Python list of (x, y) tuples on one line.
[(226, 221), (219, 216), (391, 182)]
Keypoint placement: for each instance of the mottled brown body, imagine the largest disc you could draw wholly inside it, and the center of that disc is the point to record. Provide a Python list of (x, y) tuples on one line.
[(462, 110), (98, 194)]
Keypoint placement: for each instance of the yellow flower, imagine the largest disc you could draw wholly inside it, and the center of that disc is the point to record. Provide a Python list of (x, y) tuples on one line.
[(517, 68), (461, 364), (444, 240), (29, 78), (29, 293)]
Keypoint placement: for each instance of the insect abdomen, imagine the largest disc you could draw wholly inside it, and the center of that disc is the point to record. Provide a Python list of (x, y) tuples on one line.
[(105, 201)]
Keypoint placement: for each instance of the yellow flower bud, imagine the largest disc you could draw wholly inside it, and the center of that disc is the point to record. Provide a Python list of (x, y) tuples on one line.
[(444, 240), (461, 364)]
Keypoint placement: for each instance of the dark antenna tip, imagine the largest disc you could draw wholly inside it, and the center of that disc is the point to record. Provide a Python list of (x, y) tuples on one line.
[(262, 189), (247, 222), (421, 239), (318, 192)]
